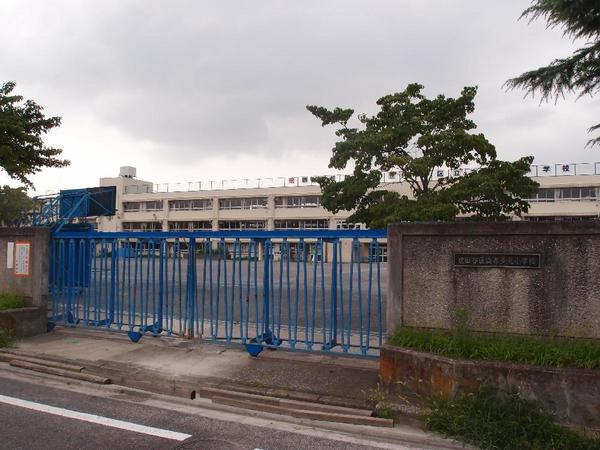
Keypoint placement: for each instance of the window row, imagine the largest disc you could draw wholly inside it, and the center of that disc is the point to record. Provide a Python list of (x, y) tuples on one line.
[(307, 201), (155, 205), (173, 226), (174, 205), (229, 225), (243, 203), (190, 205), (142, 226), (565, 194), (302, 224), (558, 218), (201, 225)]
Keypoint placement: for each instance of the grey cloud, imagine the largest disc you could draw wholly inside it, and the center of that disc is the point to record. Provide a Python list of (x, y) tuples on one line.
[(205, 78)]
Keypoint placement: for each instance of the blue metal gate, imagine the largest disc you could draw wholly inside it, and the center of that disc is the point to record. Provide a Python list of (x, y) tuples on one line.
[(305, 290)]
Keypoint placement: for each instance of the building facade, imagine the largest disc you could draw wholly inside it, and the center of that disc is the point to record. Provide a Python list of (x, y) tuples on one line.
[(142, 206), (296, 204)]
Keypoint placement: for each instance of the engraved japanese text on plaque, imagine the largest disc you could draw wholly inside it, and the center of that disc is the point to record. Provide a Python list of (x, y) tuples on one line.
[(506, 260)]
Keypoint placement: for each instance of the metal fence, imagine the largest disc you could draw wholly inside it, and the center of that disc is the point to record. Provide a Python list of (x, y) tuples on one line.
[(307, 290)]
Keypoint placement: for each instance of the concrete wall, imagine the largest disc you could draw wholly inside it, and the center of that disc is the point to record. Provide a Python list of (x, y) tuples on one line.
[(35, 286), (23, 322), (560, 297), (572, 396)]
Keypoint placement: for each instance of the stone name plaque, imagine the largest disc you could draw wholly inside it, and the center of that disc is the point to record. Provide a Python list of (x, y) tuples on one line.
[(505, 260)]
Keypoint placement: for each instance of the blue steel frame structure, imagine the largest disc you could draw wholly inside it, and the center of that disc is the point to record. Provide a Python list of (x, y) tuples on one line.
[(58, 210), (230, 286)]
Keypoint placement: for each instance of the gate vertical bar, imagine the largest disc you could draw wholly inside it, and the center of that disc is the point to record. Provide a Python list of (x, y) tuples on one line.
[(333, 300), (266, 283), (113, 258), (190, 302), (158, 325), (70, 281)]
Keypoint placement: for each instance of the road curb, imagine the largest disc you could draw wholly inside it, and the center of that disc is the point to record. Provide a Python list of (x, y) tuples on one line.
[(60, 372), (7, 357)]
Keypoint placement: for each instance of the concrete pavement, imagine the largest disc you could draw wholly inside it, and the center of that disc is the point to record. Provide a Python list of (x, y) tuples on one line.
[(178, 367), (186, 423), (29, 428), (186, 371)]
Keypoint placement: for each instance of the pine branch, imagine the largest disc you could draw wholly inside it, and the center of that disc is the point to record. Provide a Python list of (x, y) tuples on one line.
[(580, 72), (595, 141), (580, 19)]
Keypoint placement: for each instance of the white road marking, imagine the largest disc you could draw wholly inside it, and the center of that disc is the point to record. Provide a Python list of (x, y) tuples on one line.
[(92, 418)]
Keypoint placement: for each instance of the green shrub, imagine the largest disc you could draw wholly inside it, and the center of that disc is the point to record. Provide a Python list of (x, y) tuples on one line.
[(544, 351), (491, 420), (10, 301), (6, 338), (382, 405)]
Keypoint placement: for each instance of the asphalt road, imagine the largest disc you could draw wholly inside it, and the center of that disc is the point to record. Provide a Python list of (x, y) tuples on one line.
[(299, 297), (36, 414)]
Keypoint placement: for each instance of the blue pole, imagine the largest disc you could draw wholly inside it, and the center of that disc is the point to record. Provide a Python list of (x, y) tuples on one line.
[(113, 258), (70, 281), (333, 301), (266, 282), (161, 263), (205, 254), (191, 288)]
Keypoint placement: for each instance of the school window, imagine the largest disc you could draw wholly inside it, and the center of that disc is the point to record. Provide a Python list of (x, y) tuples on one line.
[(156, 205), (131, 206), (202, 225), (142, 226), (306, 201), (230, 225), (302, 224), (243, 203), (190, 205)]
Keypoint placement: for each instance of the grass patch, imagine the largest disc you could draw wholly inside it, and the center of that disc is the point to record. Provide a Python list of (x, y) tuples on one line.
[(503, 422), (558, 352), (6, 338), (382, 405), (10, 301)]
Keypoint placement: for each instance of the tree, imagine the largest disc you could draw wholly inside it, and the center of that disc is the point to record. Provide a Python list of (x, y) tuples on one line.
[(14, 205), (579, 72), (22, 126), (414, 136)]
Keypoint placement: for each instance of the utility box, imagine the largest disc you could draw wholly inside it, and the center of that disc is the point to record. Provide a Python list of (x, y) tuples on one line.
[(127, 172)]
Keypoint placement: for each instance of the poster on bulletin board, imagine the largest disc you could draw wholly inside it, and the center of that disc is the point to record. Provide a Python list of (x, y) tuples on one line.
[(22, 259), (10, 255)]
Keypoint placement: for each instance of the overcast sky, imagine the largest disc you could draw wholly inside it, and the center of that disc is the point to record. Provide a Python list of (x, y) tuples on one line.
[(199, 90)]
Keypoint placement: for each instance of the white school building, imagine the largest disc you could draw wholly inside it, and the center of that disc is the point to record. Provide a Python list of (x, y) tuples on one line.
[(567, 192)]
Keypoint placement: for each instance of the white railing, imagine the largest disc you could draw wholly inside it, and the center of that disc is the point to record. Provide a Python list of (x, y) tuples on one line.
[(536, 170)]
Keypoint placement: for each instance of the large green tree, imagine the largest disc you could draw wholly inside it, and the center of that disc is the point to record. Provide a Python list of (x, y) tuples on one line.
[(22, 127), (15, 205), (415, 137), (578, 73)]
